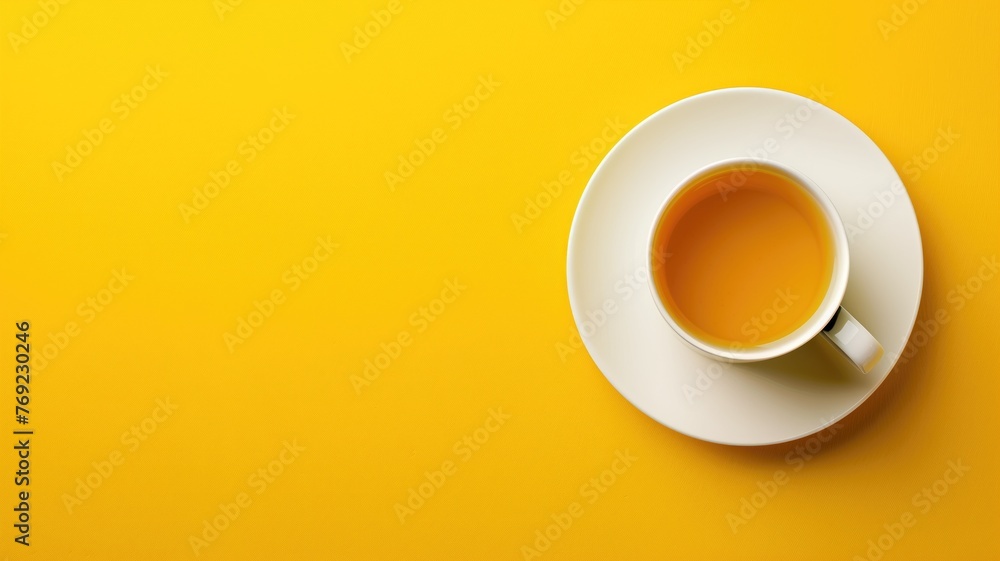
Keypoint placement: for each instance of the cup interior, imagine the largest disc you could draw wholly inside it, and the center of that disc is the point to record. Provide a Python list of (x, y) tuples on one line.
[(679, 201)]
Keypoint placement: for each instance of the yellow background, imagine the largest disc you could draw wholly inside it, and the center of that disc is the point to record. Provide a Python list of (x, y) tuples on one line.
[(495, 346)]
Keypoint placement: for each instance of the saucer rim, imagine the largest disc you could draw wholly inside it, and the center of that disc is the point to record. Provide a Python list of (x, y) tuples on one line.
[(588, 192)]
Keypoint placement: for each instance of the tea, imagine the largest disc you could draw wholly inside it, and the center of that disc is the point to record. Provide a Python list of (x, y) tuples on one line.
[(750, 257)]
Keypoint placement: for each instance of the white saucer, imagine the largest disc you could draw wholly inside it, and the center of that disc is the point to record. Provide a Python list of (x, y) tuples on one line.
[(742, 404)]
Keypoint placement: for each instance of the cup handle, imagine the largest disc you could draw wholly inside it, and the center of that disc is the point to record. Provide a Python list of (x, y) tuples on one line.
[(853, 340)]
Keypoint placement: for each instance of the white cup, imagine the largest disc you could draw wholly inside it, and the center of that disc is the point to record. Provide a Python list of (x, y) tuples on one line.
[(830, 319)]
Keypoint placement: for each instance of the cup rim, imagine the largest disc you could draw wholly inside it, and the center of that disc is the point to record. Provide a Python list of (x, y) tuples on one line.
[(811, 327)]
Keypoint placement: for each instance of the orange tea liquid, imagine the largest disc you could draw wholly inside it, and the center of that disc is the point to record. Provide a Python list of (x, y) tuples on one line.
[(750, 257)]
